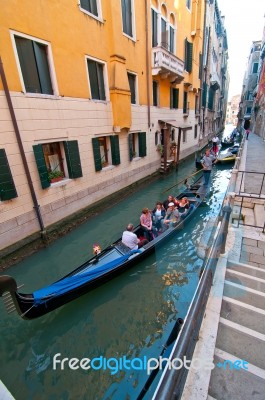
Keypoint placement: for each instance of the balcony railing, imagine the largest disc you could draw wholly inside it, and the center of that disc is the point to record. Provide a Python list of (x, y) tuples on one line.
[(164, 62)]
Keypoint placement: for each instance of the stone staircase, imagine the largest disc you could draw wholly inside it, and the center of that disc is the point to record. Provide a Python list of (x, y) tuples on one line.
[(241, 333), (169, 166)]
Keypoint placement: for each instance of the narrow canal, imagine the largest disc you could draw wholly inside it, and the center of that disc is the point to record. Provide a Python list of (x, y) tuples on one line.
[(130, 316)]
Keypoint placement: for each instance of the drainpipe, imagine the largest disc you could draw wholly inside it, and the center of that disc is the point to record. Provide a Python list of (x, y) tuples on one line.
[(202, 72), (147, 64), (20, 145)]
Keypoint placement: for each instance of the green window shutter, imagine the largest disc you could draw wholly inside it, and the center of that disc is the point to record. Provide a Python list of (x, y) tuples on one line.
[(188, 55), (41, 165), (73, 159), (7, 186), (204, 94), (171, 39), (155, 93), (185, 102), (43, 68), (174, 98), (96, 152), (130, 143), (200, 65), (115, 150), (28, 65), (142, 144), (154, 28), (211, 99)]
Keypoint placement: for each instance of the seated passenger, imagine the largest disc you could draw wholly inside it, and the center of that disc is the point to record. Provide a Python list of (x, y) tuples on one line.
[(130, 239), (183, 207), (170, 199), (146, 224), (171, 217), (158, 215)]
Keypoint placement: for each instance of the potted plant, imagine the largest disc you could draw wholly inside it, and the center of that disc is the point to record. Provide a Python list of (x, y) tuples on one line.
[(55, 176), (160, 148)]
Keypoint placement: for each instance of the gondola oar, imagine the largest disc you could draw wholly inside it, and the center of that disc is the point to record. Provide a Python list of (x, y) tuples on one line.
[(183, 180), (172, 337)]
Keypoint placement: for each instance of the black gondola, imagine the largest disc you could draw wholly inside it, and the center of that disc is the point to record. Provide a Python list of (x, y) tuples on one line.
[(111, 262), (227, 143)]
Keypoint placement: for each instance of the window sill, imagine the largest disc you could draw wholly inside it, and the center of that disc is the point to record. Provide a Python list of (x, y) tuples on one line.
[(42, 95), (61, 183), (136, 158), (108, 168), (99, 19), (133, 39)]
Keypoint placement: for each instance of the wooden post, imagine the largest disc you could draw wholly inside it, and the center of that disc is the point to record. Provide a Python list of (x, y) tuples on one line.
[(165, 149), (178, 148)]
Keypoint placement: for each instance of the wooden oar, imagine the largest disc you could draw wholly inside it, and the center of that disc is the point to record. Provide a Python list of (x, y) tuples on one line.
[(172, 337), (183, 180)]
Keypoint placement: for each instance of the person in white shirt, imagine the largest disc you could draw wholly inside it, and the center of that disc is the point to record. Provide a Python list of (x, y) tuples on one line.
[(131, 240), (215, 141)]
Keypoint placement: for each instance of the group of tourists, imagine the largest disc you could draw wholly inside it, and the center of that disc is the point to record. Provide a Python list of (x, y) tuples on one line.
[(153, 223)]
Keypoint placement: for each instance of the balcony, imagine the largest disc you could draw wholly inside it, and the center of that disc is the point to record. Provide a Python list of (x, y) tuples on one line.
[(167, 65)]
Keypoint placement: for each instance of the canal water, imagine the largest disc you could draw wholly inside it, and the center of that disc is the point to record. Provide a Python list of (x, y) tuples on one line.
[(130, 316)]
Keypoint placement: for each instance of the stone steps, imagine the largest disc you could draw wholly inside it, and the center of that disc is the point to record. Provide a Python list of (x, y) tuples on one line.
[(241, 334)]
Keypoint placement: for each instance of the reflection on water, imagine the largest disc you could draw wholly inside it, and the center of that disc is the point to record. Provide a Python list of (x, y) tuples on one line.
[(130, 316)]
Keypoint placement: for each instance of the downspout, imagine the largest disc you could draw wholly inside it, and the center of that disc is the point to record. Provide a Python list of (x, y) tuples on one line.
[(20, 145), (147, 65), (204, 78)]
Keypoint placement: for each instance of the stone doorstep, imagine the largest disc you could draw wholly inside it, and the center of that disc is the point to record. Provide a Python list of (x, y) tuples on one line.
[(244, 294), (243, 314), (248, 216), (246, 280), (250, 270), (259, 214)]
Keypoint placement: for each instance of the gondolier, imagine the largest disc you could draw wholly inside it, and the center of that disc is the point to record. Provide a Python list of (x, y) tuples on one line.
[(207, 163)]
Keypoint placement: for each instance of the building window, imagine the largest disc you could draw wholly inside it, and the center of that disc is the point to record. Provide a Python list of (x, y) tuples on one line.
[(57, 160), (137, 144), (155, 93), (34, 64), (106, 150), (248, 110), (7, 186), (96, 79), (127, 23), (255, 68), (132, 84), (174, 98), (154, 28), (197, 107), (171, 39), (185, 103), (90, 6), (211, 98), (195, 131), (188, 4), (188, 55), (164, 41), (184, 136)]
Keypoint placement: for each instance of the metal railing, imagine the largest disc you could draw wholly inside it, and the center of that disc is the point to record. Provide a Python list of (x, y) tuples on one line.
[(173, 381)]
